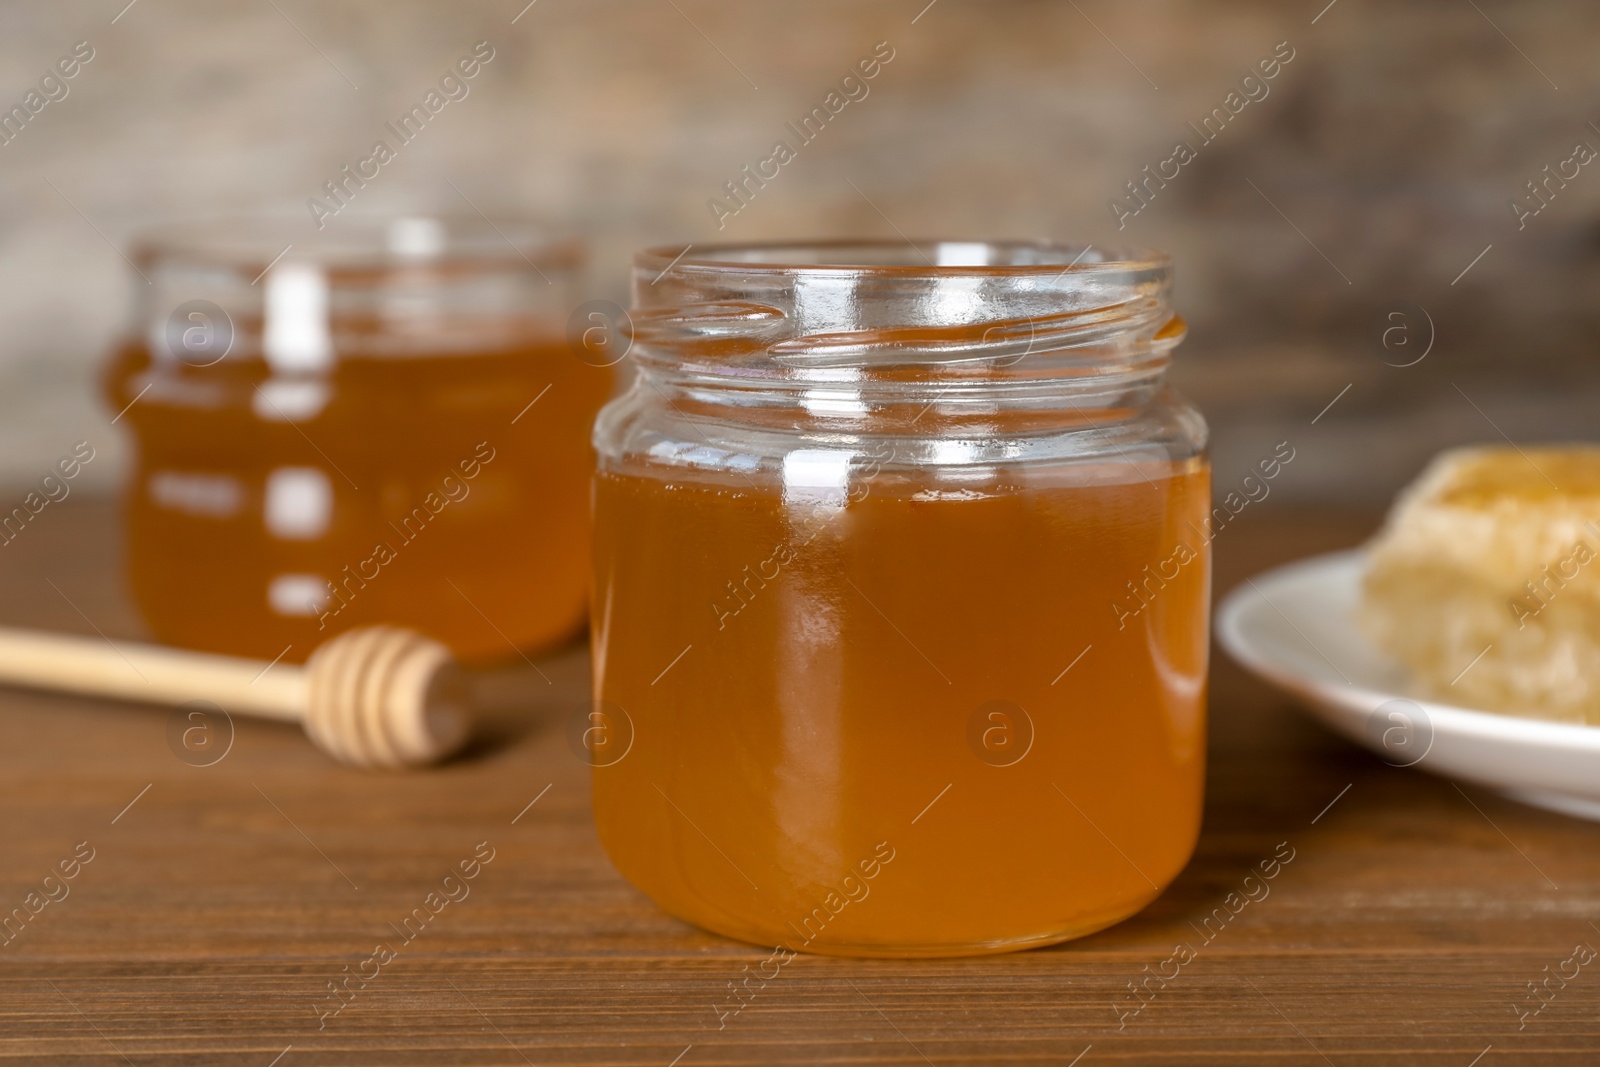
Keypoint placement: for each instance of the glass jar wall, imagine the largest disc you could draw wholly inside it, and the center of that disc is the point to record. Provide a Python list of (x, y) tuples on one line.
[(901, 595), (383, 425)]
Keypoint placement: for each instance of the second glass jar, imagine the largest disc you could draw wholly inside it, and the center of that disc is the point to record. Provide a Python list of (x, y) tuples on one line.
[(356, 429)]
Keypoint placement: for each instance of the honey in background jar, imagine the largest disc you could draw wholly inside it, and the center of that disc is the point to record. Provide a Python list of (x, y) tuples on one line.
[(388, 426)]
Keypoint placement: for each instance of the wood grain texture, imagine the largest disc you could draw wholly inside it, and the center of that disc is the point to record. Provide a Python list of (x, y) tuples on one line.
[(218, 906)]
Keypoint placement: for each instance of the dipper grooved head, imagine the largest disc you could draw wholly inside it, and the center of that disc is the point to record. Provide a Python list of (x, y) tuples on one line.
[(381, 696)]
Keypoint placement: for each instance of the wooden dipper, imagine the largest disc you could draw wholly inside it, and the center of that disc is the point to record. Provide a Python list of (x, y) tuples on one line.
[(378, 696)]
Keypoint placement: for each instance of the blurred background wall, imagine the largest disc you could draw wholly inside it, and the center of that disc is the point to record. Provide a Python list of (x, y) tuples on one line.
[(1379, 166)]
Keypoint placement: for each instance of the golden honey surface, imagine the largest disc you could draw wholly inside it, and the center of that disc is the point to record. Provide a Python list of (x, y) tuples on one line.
[(926, 722)]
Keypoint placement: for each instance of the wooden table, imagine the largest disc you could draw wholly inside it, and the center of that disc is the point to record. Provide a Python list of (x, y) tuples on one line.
[(220, 901)]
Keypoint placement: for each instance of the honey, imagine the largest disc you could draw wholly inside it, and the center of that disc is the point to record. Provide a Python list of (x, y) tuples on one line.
[(832, 668), (902, 580), (428, 507), (426, 466)]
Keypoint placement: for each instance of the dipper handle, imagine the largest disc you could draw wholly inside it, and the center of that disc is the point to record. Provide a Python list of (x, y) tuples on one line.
[(377, 696)]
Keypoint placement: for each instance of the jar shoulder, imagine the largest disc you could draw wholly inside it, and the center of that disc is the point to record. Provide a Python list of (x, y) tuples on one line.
[(645, 429)]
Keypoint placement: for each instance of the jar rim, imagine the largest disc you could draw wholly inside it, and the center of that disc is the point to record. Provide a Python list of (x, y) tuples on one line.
[(253, 242), (903, 259)]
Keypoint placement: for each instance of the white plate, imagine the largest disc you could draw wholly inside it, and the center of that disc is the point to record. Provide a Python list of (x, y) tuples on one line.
[(1295, 626)]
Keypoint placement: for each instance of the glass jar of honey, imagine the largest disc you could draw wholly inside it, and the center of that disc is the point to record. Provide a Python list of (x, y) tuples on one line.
[(901, 595), (384, 424)]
